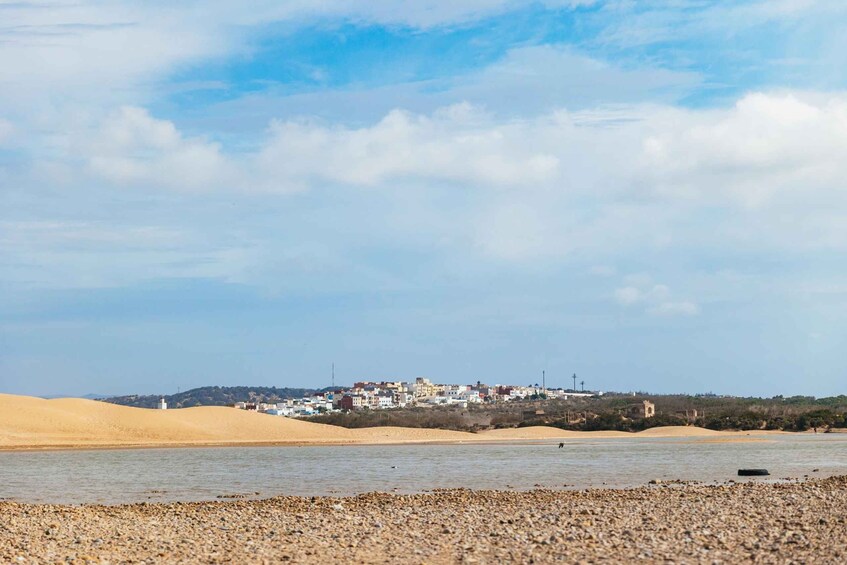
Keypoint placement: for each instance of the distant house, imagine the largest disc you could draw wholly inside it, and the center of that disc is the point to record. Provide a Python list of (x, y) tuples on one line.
[(645, 409), (424, 388), (484, 391), (472, 396), (688, 415), (383, 400), (352, 402)]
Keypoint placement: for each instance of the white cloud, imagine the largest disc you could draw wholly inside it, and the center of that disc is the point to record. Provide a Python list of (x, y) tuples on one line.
[(131, 147), (656, 299), (453, 145), (114, 52), (764, 175), (767, 147)]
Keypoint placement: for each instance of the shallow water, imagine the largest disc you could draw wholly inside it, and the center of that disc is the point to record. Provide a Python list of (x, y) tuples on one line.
[(120, 476)]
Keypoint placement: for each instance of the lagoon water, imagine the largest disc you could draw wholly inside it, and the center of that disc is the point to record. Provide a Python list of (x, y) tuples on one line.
[(186, 474)]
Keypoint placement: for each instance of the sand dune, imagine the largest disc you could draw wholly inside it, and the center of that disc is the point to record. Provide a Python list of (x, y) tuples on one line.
[(71, 422), (27, 422)]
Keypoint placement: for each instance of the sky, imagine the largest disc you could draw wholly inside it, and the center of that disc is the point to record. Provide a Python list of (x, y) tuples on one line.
[(650, 195)]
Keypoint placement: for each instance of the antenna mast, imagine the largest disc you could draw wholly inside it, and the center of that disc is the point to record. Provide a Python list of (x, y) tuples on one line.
[(574, 382), (543, 382), (333, 374)]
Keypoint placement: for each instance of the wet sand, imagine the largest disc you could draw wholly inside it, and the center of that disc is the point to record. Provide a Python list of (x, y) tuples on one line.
[(750, 522)]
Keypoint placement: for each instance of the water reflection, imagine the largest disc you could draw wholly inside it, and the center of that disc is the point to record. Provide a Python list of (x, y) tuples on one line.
[(117, 476)]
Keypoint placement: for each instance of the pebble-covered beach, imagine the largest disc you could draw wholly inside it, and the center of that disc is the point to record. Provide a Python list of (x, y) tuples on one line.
[(803, 522)]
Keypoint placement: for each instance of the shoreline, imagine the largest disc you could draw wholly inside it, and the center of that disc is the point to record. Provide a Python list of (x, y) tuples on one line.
[(673, 438), (741, 522)]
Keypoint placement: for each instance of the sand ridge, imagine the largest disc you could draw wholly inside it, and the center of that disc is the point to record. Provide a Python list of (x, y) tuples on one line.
[(32, 423), (29, 422)]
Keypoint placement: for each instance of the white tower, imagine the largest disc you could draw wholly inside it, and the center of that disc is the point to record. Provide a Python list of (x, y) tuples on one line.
[(162, 404)]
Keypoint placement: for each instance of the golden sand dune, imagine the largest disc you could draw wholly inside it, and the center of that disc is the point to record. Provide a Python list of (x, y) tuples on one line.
[(27, 422), (70, 422)]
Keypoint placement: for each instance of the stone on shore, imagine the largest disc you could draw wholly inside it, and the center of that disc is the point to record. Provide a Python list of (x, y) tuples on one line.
[(732, 523)]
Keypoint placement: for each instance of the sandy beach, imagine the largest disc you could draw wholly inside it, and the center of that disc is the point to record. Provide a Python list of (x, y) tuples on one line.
[(35, 423), (733, 523)]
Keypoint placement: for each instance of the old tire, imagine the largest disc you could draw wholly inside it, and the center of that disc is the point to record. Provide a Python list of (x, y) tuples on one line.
[(752, 472)]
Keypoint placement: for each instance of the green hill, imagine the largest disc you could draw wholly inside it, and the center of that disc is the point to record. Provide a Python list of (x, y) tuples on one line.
[(214, 396)]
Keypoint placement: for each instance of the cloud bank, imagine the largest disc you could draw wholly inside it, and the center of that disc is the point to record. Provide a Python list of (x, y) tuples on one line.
[(502, 193)]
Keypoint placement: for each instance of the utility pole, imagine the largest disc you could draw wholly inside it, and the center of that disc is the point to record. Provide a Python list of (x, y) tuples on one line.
[(574, 382), (333, 374)]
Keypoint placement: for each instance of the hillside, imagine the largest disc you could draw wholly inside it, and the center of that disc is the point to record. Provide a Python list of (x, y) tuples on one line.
[(214, 396)]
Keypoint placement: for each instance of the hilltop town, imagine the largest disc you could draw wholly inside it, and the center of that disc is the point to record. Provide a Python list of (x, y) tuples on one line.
[(423, 403), (368, 395)]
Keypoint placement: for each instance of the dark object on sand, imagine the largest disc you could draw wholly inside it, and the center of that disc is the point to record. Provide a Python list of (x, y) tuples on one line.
[(752, 472), (561, 445)]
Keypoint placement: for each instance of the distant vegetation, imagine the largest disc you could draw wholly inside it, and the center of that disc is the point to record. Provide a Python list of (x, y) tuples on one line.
[(609, 412), (214, 396), (798, 413), (440, 417)]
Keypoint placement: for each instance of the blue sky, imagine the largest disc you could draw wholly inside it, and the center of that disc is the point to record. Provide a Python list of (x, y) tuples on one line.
[(649, 194)]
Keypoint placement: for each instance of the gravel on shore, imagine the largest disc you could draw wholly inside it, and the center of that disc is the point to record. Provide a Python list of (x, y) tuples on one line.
[(799, 522)]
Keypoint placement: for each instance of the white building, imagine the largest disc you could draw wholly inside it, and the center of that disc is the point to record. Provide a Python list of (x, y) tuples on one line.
[(471, 396), (162, 404), (384, 400), (454, 391)]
